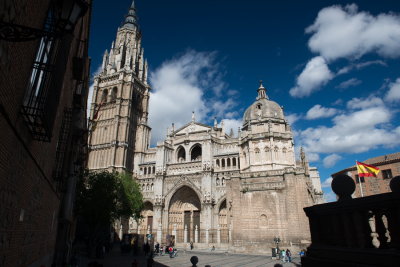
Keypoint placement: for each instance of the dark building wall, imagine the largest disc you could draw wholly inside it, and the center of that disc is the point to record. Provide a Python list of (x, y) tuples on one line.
[(34, 178)]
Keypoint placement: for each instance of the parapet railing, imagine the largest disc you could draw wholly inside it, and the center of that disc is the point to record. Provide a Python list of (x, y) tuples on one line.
[(355, 231)]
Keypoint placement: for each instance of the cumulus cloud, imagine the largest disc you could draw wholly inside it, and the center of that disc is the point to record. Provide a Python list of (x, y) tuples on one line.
[(354, 132), (344, 32), (315, 74), (327, 183), (331, 160), (393, 95), (349, 83), (329, 196), (292, 118), (362, 103), (232, 124), (180, 86), (319, 111)]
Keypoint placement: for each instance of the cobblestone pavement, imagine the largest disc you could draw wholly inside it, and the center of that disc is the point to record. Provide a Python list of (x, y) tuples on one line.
[(222, 260), (116, 259)]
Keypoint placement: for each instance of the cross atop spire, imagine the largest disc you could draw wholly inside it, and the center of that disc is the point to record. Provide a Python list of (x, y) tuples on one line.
[(261, 91), (130, 18)]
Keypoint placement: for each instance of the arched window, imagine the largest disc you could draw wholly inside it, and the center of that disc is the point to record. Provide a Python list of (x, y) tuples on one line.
[(147, 187), (228, 162), (217, 181), (234, 162), (104, 96), (113, 94), (142, 187), (217, 162), (145, 171), (181, 156), (223, 163), (195, 154), (154, 169), (223, 182), (257, 152), (267, 153), (276, 153), (152, 187)]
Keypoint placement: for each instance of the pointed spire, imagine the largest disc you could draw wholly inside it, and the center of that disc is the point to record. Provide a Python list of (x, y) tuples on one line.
[(261, 92), (215, 122), (130, 18), (193, 117)]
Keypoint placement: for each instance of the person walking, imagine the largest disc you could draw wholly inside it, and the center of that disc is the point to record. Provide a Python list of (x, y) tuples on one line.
[(289, 255), (191, 245), (283, 255)]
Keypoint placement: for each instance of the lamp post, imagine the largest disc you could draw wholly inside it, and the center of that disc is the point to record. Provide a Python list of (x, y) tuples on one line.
[(277, 240), (63, 16)]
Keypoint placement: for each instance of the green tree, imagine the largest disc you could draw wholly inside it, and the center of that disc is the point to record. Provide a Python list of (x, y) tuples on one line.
[(103, 197)]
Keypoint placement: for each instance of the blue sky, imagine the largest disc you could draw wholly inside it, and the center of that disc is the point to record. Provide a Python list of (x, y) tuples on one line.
[(333, 65)]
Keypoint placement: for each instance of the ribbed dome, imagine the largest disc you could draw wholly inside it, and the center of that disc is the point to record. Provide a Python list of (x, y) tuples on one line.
[(263, 108)]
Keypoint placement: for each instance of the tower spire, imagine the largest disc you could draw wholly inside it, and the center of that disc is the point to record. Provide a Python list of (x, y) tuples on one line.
[(130, 18), (261, 91)]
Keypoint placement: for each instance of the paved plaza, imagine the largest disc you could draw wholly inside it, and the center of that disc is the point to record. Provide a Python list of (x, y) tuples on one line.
[(214, 259)]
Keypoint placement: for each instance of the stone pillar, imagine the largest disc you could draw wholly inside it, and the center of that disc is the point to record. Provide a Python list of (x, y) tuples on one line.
[(196, 234), (185, 234), (207, 241), (159, 233), (230, 233), (174, 232), (218, 234)]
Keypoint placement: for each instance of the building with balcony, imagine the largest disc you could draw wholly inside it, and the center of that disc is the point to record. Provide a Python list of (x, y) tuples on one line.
[(44, 72)]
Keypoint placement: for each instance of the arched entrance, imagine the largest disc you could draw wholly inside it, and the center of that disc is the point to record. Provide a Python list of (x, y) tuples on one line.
[(223, 222), (146, 223), (184, 209)]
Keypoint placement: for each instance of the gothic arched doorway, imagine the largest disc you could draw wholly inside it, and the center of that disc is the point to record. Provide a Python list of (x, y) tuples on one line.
[(184, 209)]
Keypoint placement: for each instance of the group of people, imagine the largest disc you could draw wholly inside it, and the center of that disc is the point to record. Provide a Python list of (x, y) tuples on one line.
[(286, 255)]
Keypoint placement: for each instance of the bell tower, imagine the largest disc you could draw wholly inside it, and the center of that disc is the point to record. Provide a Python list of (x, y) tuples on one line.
[(119, 111)]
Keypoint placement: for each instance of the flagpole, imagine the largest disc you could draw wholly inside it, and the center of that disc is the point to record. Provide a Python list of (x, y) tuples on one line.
[(359, 181)]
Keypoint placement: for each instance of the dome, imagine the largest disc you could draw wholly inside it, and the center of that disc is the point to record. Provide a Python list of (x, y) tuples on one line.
[(263, 108)]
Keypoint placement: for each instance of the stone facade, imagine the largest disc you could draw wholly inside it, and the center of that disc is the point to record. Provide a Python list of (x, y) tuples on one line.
[(201, 184), (389, 166)]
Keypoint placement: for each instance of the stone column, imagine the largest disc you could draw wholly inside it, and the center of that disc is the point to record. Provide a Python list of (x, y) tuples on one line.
[(230, 233), (159, 233), (185, 234), (196, 234), (218, 234), (174, 232), (207, 238)]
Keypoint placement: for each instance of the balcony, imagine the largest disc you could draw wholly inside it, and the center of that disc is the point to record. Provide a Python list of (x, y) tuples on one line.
[(355, 232), (184, 168)]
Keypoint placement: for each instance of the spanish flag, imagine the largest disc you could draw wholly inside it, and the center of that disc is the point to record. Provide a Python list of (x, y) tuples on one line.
[(365, 170)]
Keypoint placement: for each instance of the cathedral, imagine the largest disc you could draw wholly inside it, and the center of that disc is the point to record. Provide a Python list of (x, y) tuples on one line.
[(200, 184)]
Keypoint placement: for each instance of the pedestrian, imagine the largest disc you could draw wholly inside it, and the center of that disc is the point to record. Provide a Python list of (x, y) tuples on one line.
[(283, 255), (171, 251), (157, 248), (191, 245), (289, 255), (194, 260)]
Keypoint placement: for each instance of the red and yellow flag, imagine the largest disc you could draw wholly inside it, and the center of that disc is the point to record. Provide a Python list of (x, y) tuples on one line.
[(365, 170)]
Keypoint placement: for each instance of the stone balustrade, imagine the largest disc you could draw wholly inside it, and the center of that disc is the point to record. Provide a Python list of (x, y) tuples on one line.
[(355, 232), (184, 167)]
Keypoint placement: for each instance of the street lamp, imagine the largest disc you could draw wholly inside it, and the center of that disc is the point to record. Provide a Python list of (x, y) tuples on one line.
[(63, 15), (277, 240)]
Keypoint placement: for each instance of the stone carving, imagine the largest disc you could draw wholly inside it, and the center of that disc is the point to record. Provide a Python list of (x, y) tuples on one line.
[(159, 200), (208, 198), (207, 166)]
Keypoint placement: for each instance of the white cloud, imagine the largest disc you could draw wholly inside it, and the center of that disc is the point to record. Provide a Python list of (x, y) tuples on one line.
[(360, 65), (362, 103), (315, 74), (319, 111), (329, 196), (394, 91), (232, 124), (327, 183), (292, 118), (331, 160), (343, 32), (179, 87), (355, 132), (349, 83)]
